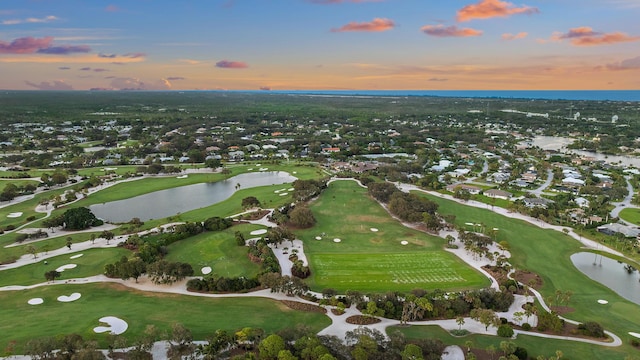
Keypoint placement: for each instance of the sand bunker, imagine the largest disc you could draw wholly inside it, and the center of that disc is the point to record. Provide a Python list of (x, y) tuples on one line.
[(70, 298), (635, 334), (14, 215), (35, 301), (76, 256), (284, 194), (109, 169), (290, 189), (374, 229), (603, 302), (250, 169), (206, 270), (258, 232), (264, 169), (318, 238), (336, 240), (182, 177), (404, 242), (66, 267), (116, 326)]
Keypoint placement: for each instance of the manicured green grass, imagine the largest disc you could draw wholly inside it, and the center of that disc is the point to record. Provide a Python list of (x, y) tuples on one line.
[(91, 263), (217, 250), (631, 215), (375, 261), (202, 315), (547, 253), (535, 346), (17, 182)]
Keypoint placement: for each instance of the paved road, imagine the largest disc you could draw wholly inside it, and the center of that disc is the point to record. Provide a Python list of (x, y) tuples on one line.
[(625, 203), (544, 186)]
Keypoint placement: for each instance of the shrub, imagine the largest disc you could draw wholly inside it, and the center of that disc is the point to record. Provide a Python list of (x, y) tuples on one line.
[(526, 326), (31, 218), (521, 353), (591, 328), (505, 331)]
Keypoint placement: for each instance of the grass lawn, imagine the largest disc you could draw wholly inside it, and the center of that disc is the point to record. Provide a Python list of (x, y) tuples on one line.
[(631, 215), (535, 346), (91, 263), (202, 315), (217, 250), (547, 253), (17, 182), (375, 261)]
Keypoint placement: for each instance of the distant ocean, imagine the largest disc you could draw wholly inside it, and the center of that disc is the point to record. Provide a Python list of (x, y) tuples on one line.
[(598, 95)]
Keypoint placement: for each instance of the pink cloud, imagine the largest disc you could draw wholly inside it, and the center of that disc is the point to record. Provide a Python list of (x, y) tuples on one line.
[(55, 85), (265, 88), (226, 64), (45, 19), (112, 8), (586, 36), (134, 55), (174, 78), (138, 84), (25, 45), (100, 70), (486, 9), (520, 35), (376, 25), (449, 31)]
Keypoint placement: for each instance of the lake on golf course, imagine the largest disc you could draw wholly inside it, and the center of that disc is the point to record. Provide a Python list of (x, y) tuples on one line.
[(163, 203), (610, 273)]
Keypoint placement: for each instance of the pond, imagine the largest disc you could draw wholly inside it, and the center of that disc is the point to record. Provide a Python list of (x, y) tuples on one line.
[(609, 273), (163, 203), (559, 143)]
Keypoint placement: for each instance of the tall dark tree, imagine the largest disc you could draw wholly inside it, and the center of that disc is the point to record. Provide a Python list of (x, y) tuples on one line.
[(80, 218)]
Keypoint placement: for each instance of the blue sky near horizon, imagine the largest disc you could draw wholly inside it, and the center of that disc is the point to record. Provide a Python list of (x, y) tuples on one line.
[(319, 44)]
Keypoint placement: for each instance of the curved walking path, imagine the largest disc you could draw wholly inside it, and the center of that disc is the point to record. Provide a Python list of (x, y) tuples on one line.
[(339, 326)]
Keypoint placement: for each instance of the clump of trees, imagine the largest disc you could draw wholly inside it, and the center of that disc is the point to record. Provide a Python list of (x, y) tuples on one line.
[(305, 190), (80, 218)]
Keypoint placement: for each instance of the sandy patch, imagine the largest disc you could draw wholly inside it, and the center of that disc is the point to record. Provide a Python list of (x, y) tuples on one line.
[(404, 242), (250, 169), (70, 298), (318, 238), (116, 325), (603, 302), (264, 169), (336, 240), (35, 301), (258, 232), (182, 177), (290, 189), (76, 256), (374, 230), (109, 169), (206, 270), (635, 334), (66, 267), (284, 194), (14, 215)]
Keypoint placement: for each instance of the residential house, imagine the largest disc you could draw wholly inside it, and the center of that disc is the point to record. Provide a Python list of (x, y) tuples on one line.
[(473, 190), (537, 202), (498, 194)]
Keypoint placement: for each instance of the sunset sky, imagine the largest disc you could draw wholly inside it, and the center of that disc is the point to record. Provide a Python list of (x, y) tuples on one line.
[(319, 44)]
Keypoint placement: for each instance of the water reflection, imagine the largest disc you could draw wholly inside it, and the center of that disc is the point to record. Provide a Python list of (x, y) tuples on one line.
[(163, 203), (619, 277)]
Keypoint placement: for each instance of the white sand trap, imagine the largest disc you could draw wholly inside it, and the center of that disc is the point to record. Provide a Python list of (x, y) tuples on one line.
[(603, 302), (374, 229), (318, 238), (264, 169), (116, 326), (250, 169), (109, 169), (258, 232), (294, 172), (182, 177), (14, 215), (404, 242), (76, 256), (277, 191), (284, 194), (336, 240), (66, 267), (35, 301), (258, 164), (70, 298), (206, 270), (290, 189), (634, 334)]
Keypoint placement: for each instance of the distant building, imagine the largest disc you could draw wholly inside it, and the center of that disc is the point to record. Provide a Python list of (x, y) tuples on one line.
[(473, 190), (616, 228), (537, 202), (498, 194)]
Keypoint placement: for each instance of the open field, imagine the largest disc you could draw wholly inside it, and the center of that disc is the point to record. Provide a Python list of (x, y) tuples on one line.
[(535, 346), (91, 263), (547, 253), (631, 215), (375, 261), (202, 315), (217, 250)]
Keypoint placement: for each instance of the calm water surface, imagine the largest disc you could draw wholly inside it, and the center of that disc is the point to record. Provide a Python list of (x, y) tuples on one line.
[(163, 203), (609, 273)]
